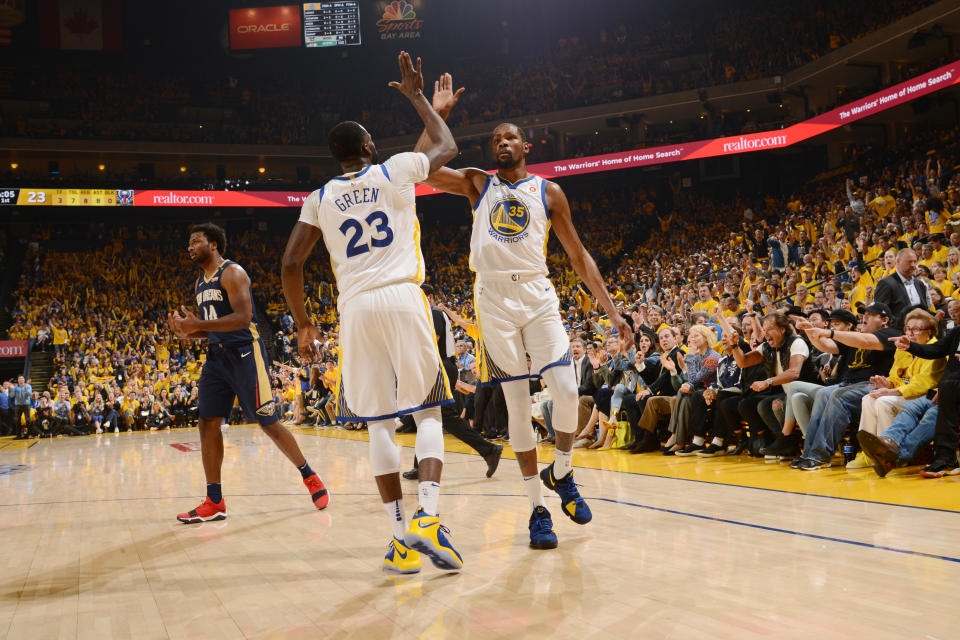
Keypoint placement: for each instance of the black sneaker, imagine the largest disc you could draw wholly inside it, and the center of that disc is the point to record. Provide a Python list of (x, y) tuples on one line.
[(742, 446), (941, 467), (782, 447), (493, 459), (712, 450), (795, 463), (690, 450), (809, 464), (413, 474)]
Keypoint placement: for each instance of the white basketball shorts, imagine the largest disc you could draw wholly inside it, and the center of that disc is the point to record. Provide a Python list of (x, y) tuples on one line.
[(516, 316), (389, 363)]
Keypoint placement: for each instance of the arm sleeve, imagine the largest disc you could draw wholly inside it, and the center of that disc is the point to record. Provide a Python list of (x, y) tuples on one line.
[(695, 370), (938, 349), (883, 292), (407, 168), (800, 348)]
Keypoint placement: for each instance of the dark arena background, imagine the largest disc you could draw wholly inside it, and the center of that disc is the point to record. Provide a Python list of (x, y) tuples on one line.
[(770, 191)]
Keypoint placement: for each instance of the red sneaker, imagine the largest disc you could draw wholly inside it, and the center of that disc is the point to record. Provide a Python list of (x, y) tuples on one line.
[(207, 511), (317, 491)]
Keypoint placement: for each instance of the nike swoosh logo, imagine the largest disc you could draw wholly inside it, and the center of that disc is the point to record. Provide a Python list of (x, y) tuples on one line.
[(420, 524), (244, 355), (402, 554)]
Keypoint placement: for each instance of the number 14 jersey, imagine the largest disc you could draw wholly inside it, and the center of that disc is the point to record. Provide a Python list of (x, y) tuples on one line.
[(369, 224)]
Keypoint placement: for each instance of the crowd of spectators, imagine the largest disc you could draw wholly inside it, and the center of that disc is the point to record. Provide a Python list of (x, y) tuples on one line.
[(765, 327), (674, 49)]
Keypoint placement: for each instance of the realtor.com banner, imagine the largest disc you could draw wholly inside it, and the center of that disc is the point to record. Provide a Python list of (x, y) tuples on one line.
[(918, 87), (13, 348), (922, 85), (219, 198)]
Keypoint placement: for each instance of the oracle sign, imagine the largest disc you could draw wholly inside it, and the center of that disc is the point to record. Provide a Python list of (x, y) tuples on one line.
[(265, 27), (13, 348)]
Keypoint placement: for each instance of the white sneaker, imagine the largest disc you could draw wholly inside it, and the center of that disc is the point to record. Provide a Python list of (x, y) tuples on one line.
[(116, 429), (99, 430), (582, 442)]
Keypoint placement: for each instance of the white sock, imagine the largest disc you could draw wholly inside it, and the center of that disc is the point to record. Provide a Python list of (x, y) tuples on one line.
[(718, 442), (398, 517), (534, 491), (698, 440), (562, 464), (429, 497)]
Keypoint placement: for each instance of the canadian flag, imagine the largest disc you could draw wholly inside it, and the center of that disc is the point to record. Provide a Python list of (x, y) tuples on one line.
[(81, 24)]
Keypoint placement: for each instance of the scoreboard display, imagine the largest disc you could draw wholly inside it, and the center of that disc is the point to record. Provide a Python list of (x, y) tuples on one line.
[(331, 24), (59, 197)]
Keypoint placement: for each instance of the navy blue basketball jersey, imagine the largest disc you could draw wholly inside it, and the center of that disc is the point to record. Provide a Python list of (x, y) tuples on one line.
[(214, 303)]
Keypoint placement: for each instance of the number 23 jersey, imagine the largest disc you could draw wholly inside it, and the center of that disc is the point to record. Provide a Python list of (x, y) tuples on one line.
[(369, 224)]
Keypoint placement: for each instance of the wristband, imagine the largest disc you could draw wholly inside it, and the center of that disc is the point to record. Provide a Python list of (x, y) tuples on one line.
[(768, 381), (832, 331)]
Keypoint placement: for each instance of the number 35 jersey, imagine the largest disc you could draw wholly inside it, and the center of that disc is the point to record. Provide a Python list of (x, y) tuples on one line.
[(369, 224), (511, 224)]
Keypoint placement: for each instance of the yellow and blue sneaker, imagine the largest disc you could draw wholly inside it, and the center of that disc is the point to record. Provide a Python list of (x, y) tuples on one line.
[(400, 558), (573, 505), (428, 536)]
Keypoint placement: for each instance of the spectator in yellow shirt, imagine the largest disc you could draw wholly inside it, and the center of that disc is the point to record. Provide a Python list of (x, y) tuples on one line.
[(706, 302)]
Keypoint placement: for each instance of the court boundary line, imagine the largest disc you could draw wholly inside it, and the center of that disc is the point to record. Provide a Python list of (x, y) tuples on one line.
[(633, 473), (762, 527), (724, 484), (676, 512)]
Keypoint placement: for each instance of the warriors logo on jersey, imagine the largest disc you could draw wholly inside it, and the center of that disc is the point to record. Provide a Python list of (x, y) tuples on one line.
[(511, 224), (509, 219)]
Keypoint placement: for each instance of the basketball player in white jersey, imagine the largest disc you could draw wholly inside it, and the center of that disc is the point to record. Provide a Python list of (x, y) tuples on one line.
[(389, 363), (517, 309)]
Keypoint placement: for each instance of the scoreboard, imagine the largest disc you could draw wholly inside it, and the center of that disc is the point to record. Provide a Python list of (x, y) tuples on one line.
[(59, 197), (331, 24)]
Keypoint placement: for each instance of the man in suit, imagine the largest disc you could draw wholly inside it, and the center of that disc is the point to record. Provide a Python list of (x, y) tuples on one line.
[(585, 387), (901, 291), (450, 414)]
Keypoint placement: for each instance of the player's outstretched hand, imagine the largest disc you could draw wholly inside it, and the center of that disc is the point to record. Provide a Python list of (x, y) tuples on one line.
[(623, 329), (411, 80), (308, 337), (444, 97)]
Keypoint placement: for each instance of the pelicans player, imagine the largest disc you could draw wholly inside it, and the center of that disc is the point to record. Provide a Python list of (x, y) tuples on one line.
[(389, 365), (235, 367), (517, 309)]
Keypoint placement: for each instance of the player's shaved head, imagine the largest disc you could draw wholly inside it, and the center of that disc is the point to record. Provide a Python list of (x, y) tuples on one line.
[(346, 140)]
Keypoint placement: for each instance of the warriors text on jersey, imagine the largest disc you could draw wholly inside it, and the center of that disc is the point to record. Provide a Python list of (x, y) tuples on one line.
[(369, 224), (511, 224), (214, 303)]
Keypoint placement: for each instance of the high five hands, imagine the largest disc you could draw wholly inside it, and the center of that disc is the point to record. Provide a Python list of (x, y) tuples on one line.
[(444, 97), (411, 80)]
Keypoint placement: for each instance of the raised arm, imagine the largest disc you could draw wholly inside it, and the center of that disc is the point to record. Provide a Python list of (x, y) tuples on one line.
[(456, 319), (859, 340), (938, 349), (580, 258), (442, 148)]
